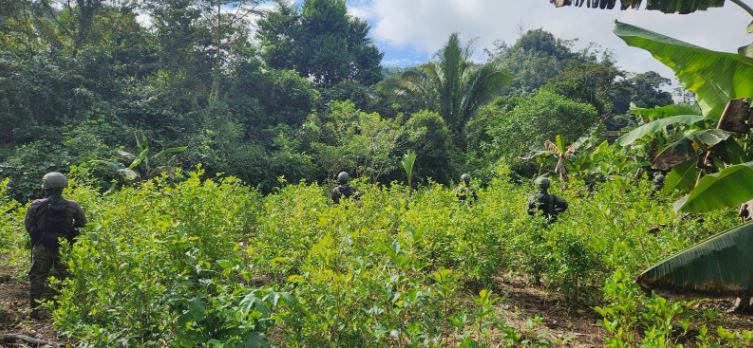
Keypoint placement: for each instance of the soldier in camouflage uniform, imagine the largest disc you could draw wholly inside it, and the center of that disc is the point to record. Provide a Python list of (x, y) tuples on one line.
[(343, 190), (47, 220), (464, 192), (658, 182), (742, 303), (547, 204)]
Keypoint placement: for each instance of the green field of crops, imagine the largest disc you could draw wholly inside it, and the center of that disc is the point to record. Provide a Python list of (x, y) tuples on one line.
[(213, 261)]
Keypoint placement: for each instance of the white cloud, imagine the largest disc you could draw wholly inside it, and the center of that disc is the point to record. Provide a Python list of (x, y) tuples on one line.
[(425, 24)]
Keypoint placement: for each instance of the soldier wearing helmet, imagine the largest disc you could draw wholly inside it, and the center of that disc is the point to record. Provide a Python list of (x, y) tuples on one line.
[(658, 182), (547, 204), (47, 221), (464, 191), (343, 190)]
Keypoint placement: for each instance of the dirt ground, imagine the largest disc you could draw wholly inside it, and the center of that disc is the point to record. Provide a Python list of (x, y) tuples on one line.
[(572, 328), (579, 327), (14, 313)]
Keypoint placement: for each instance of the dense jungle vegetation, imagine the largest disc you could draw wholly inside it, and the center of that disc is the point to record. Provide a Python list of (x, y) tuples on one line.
[(201, 138)]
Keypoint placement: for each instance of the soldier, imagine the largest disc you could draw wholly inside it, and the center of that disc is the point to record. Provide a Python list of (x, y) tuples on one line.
[(658, 182), (46, 221), (465, 192), (549, 205), (742, 303), (343, 189)]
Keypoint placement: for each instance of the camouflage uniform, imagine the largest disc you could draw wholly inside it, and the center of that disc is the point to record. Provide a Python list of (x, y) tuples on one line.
[(343, 189), (742, 303), (44, 240), (658, 183), (547, 204), (464, 192)]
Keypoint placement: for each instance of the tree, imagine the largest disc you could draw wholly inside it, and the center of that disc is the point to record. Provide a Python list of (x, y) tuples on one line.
[(516, 131), (455, 87), (320, 41), (533, 60), (427, 135)]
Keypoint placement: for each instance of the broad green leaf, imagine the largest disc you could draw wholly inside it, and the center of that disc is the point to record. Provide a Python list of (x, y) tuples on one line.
[(709, 137), (682, 177), (142, 156), (142, 142), (560, 143), (126, 155), (667, 111), (716, 267), (685, 149), (170, 151), (728, 188), (715, 77), (674, 154), (656, 126)]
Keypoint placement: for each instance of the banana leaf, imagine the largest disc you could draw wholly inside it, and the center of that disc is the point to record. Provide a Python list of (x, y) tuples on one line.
[(143, 156), (728, 188), (170, 151), (666, 6), (720, 266), (656, 126), (667, 111), (684, 149), (682, 177), (715, 77)]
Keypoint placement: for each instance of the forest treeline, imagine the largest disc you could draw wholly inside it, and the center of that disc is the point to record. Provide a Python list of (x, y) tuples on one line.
[(128, 89)]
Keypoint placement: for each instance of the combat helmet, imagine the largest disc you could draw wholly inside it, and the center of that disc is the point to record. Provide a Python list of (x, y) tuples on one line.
[(54, 180), (542, 182), (466, 178), (343, 178)]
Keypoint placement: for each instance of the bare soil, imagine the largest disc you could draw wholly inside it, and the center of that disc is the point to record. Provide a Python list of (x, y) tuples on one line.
[(14, 310)]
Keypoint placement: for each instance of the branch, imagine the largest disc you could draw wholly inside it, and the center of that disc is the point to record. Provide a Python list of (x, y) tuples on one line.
[(28, 339)]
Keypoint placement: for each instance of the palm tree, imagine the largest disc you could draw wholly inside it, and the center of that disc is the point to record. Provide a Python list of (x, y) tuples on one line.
[(454, 86)]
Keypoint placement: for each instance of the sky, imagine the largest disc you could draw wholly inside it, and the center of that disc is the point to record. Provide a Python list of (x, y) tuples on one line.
[(409, 32)]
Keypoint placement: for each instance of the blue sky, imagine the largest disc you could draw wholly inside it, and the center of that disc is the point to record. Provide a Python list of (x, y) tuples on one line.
[(410, 31)]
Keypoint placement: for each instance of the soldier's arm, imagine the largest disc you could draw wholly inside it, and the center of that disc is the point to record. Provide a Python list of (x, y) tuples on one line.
[(29, 218), (79, 218), (335, 195), (531, 206), (560, 204)]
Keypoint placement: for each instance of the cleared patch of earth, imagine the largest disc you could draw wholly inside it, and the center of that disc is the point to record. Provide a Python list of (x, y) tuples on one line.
[(14, 311)]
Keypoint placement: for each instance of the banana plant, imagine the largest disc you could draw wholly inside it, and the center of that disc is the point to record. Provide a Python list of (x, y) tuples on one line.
[(408, 162), (719, 266), (563, 153), (721, 81), (139, 165)]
